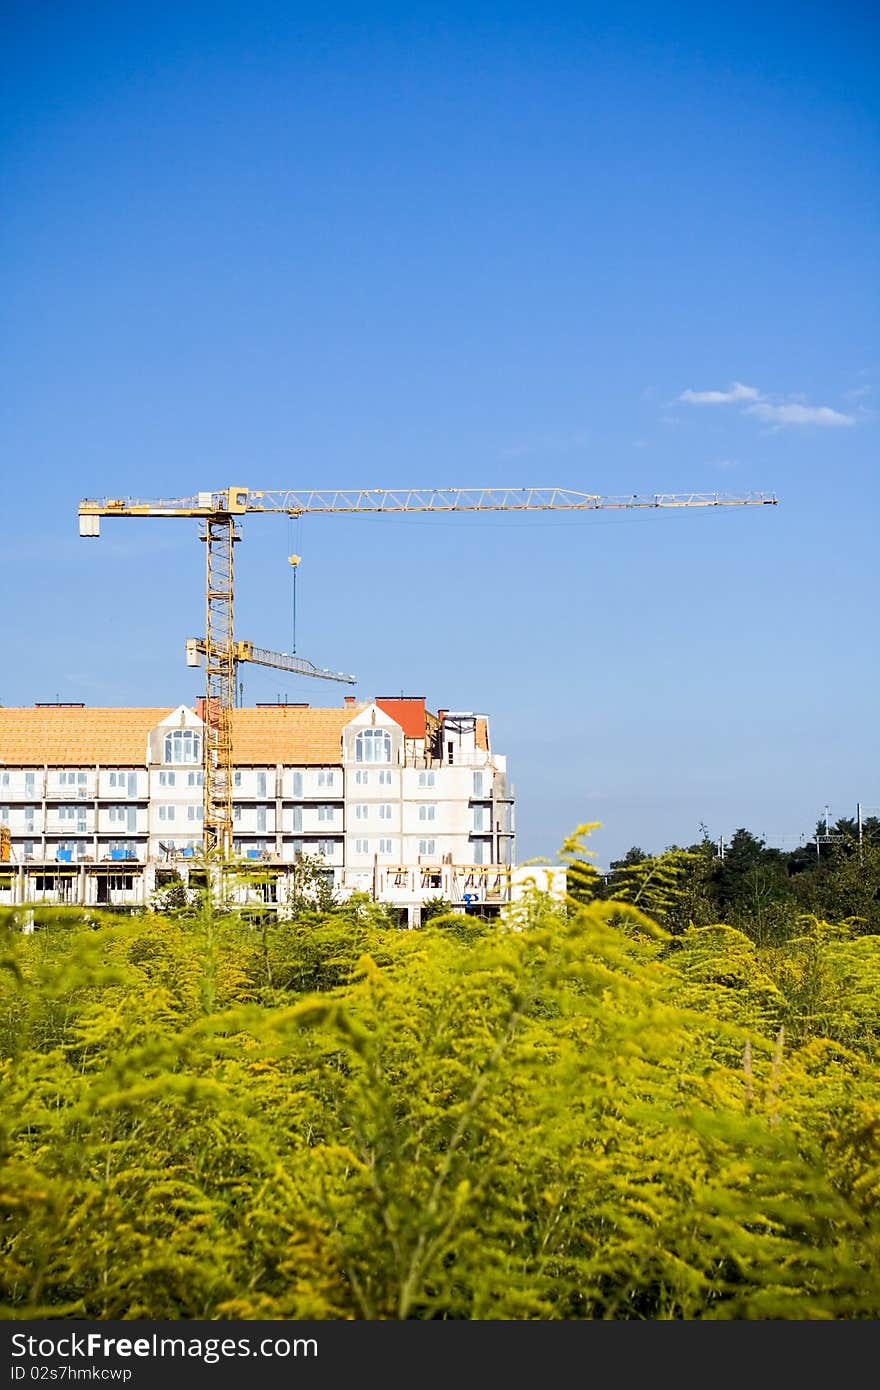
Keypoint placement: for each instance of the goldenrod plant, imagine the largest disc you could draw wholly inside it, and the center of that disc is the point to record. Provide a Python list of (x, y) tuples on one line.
[(573, 1113)]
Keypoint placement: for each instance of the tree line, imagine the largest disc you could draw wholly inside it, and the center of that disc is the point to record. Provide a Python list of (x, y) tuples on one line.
[(761, 890)]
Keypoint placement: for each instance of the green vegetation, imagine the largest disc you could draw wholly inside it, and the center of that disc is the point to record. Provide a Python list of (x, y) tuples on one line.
[(604, 1110), (762, 891)]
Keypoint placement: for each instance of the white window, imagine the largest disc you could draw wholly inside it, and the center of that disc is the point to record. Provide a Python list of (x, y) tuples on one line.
[(297, 784), (478, 784), (29, 783), (361, 846), (236, 779), (363, 777), (373, 746), (384, 846), (195, 813), (427, 846), (236, 812), (116, 813), (4, 779), (4, 815), (182, 746), (325, 812), (28, 849), (480, 852), (167, 779), (428, 811), (361, 812), (426, 779), (384, 777), (385, 811), (480, 818), (261, 784), (195, 779), (66, 812), (261, 818), (297, 823), (324, 847), (29, 817), (325, 777), (166, 812)]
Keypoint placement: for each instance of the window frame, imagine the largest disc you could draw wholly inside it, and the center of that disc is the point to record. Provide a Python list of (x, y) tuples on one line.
[(178, 741), (369, 742)]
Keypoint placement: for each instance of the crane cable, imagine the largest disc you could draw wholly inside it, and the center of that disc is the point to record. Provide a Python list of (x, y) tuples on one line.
[(293, 560)]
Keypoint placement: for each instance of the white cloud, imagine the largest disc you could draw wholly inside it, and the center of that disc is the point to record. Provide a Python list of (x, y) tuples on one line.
[(777, 412), (735, 392), (794, 414), (859, 393)]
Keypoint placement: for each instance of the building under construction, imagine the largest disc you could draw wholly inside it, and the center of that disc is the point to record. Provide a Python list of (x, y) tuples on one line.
[(103, 806)]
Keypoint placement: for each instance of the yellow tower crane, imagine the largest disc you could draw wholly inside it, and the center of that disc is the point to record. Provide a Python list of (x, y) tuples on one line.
[(219, 513)]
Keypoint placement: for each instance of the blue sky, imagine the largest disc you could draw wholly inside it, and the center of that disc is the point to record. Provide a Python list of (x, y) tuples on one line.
[(619, 249)]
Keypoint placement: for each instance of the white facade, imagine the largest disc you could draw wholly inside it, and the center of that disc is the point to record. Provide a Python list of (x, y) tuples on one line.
[(400, 816)]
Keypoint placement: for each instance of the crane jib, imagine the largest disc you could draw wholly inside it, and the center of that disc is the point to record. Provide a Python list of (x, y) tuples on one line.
[(219, 510), (239, 501)]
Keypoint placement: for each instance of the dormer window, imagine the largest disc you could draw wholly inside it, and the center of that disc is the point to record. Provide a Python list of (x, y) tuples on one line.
[(183, 746), (372, 746)]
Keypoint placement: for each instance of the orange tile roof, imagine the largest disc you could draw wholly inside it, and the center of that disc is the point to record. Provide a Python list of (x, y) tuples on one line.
[(286, 735), (481, 734), (409, 714), (71, 737)]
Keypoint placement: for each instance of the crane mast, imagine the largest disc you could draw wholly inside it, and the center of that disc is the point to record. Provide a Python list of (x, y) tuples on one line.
[(218, 511), (220, 537)]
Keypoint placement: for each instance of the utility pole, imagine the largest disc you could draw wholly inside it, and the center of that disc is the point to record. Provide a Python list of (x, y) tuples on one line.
[(827, 838)]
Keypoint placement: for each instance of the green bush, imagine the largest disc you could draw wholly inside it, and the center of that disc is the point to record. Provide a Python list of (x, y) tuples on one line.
[(576, 1114)]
